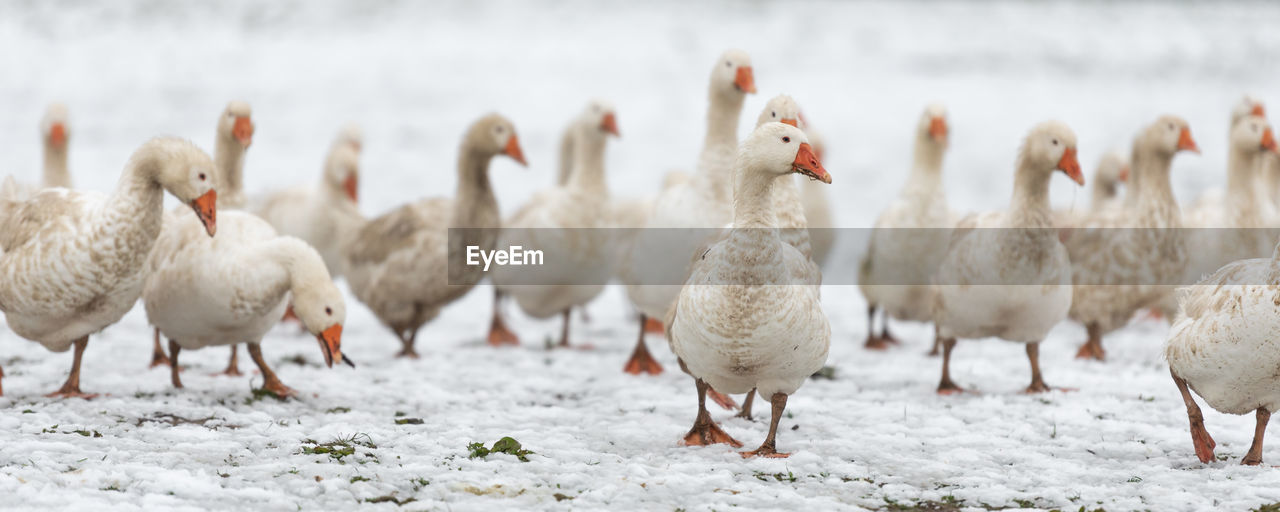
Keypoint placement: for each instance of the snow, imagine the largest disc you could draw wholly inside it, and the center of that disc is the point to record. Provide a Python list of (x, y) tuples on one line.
[(415, 74)]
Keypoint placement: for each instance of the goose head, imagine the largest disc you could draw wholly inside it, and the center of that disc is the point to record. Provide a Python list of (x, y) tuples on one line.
[(601, 119), (932, 127), (1252, 135), (322, 311), (1051, 145), (1167, 136), (236, 124), (780, 109), (780, 149), (53, 126), (342, 171), (731, 76), (1113, 170), (1247, 106), (352, 136), (187, 172), (495, 135)]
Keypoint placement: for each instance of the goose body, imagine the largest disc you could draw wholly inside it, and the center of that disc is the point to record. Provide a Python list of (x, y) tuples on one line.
[(1222, 346), (325, 216), (398, 263), (750, 316), (73, 261), (1005, 273)]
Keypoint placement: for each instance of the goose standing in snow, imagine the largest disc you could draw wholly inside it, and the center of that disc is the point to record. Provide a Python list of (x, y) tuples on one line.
[(571, 223), (398, 264), (232, 289), (749, 316), (1005, 273), (910, 237), (72, 262), (658, 260), (1123, 259), (232, 137), (1223, 346)]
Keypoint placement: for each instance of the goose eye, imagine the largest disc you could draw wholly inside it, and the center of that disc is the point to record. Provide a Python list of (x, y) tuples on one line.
[(497, 129), (1055, 142), (1171, 126), (773, 114), (328, 310), (202, 176), (728, 64), (786, 140)]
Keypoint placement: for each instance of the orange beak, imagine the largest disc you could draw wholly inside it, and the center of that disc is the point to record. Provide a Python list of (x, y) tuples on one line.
[(1185, 142), (744, 80), (243, 130), (352, 186), (331, 345), (513, 150), (58, 134), (938, 128), (1269, 141), (1258, 110), (610, 124), (1124, 174), (807, 163), (1071, 166), (206, 207), (791, 122)]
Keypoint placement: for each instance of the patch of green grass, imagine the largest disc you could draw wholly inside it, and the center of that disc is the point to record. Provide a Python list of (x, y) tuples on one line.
[(764, 477), (827, 372), (358, 478), (505, 445), (112, 487), (562, 497), (257, 394), (339, 448), (409, 421), (337, 410), (28, 411), (390, 499), (419, 483), (1270, 507)]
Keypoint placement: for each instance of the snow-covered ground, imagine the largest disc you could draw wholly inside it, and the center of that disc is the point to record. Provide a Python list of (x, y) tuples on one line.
[(414, 74)]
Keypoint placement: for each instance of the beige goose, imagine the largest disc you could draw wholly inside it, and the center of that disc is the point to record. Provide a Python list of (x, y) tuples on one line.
[(1223, 346), (232, 137), (1217, 198), (910, 237), (203, 291), (658, 260), (1124, 259), (1005, 274), (325, 215), (398, 264), (571, 225), (817, 209), (1111, 173), (72, 262), (749, 316)]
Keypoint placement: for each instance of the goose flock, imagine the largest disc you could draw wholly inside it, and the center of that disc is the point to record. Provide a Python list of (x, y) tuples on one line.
[(736, 291)]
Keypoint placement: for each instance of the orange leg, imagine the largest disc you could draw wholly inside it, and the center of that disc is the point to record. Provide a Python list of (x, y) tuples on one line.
[(1037, 380), (71, 388), (653, 325), (407, 339), (499, 334), (705, 431), (937, 344), (1092, 349), (233, 364), (157, 352), (1254, 457), (289, 315), (174, 349), (746, 405), (873, 342), (1, 381), (769, 447), (1199, 435), (564, 331), (722, 399), (641, 360), (270, 381), (946, 386)]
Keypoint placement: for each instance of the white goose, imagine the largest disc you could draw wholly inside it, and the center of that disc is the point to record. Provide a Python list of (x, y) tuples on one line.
[(324, 216), (1006, 274), (1222, 345), (232, 137), (749, 316), (398, 264), (817, 209), (203, 291), (1123, 258), (54, 135), (570, 224), (1216, 198), (910, 237), (657, 262), (72, 262)]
